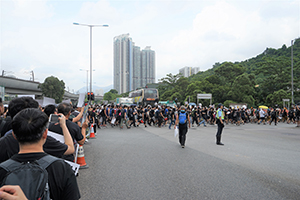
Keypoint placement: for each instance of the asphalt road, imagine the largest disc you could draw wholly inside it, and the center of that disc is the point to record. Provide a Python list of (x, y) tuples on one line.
[(257, 162)]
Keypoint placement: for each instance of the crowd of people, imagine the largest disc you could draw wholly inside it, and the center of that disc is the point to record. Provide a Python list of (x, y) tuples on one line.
[(24, 126), (27, 151), (164, 116)]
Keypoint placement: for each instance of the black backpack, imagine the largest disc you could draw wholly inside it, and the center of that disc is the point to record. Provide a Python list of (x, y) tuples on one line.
[(32, 177), (130, 113)]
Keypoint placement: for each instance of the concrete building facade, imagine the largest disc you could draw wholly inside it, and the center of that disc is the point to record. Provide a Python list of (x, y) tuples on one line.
[(133, 68), (123, 63), (188, 71)]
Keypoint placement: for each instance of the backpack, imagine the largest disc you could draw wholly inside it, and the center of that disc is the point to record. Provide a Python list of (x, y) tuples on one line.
[(182, 117), (32, 177), (273, 114), (156, 114), (130, 113)]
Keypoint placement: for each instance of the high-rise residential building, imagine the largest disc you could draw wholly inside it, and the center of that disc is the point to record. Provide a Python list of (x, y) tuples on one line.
[(195, 70), (123, 63), (148, 66), (188, 71), (133, 68), (136, 67)]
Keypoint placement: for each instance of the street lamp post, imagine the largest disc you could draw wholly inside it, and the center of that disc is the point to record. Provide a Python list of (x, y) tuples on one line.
[(292, 74), (91, 68), (87, 79)]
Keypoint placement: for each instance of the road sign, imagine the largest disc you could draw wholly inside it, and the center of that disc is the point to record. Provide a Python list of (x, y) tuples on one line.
[(204, 96)]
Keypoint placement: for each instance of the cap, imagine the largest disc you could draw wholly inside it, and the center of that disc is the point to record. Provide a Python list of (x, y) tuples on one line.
[(219, 105)]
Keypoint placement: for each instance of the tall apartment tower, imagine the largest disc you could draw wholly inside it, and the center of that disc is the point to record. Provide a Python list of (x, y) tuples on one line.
[(136, 67), (148, 66), (133, 68), (123, 63)]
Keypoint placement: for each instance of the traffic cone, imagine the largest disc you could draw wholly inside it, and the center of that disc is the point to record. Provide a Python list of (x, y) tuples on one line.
[(81, 159), (92, 135)]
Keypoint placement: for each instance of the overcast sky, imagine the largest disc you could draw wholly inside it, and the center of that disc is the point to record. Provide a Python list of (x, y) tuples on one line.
[(40, 35)]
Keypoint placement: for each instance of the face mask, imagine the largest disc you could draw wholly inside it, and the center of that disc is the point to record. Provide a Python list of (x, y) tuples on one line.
[(182, 111)]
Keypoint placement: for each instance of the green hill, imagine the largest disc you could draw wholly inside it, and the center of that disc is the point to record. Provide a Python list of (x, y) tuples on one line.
[(264, 79)]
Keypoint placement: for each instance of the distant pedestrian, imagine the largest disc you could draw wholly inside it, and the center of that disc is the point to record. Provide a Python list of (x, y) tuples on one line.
[(274, 116), (297, 114), (262, 115), (182, 119), (220, 123)]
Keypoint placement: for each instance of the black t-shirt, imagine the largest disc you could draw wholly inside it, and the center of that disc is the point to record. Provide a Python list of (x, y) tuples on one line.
[(102, 113), (298, 112), (92, 116), (74, 130), (61, 178), (151, 113), (172, 114), (9, 146), (118, 113), (7, 126)]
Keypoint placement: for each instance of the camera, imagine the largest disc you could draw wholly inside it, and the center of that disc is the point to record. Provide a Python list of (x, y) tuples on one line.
[(54, 118)]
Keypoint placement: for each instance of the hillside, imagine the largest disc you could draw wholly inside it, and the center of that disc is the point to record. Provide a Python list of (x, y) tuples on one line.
[(264, 79)]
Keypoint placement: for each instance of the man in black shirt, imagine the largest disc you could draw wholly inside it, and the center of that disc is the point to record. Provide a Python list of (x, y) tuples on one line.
[(77, 134), (30, 130)]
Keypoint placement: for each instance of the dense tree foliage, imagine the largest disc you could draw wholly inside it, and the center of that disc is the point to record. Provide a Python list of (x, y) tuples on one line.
[(265, 79), (111, 95), (53, 88)]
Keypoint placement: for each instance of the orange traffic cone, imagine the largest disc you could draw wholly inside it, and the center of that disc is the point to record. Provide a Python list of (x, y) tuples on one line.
[(92, 135), (81, 159)]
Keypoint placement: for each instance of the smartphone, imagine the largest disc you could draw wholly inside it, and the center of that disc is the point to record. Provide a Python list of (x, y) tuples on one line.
[(54, 118)]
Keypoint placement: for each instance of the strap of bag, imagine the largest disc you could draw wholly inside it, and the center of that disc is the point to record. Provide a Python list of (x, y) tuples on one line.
[(9, 165), (46, 161)]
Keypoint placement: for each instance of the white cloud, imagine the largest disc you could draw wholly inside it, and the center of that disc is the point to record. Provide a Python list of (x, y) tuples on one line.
[(30, 9), (224, 32), (101, 11)]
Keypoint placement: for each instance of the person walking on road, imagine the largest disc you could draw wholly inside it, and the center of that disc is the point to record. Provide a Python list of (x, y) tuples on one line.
[(181, 119), (220, 122), (297, 114)]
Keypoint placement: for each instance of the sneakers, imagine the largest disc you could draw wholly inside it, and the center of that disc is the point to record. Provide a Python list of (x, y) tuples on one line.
[(182, 146)]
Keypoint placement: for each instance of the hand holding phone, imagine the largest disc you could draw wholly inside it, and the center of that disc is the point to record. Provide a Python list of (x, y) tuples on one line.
[(54, 118)]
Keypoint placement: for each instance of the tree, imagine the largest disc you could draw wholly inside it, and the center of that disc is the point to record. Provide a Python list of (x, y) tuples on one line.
[(113, 91), (276, 98), (230, 71), (243, 89), (53, 88), (111, 95), (108, 96)]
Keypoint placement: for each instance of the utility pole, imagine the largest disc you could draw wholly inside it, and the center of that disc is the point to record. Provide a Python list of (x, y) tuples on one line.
[(292, 74)]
